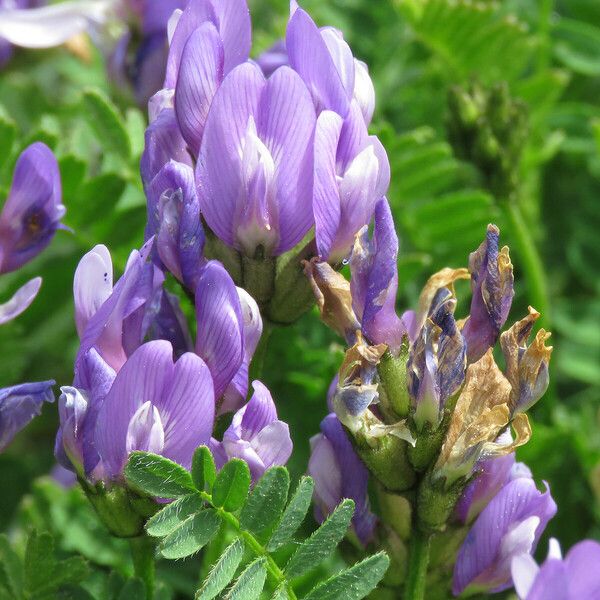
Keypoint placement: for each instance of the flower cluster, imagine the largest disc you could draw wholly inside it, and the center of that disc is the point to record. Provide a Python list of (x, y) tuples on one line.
[(422, 391), (264, 157), (29, 219)]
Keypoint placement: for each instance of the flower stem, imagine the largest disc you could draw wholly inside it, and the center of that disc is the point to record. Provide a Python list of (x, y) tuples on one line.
[(417, 565), (532, 263), (142, 553), (260, 354)]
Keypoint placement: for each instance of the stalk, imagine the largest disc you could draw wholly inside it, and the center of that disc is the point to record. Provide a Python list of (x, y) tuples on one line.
[(417, 565), (142, 553)]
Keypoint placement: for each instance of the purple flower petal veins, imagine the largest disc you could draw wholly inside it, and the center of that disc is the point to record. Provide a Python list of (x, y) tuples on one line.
[(254, 168), (575, 576), (256, 435), (510, 525), (220, 336), (19, 404), (33, 209), (20, 301), (351, 174), (339, 473), (156, 405)]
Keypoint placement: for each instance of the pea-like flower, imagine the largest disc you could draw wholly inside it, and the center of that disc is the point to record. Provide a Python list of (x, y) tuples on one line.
[(576, 576), (339, 473), (254, 171), (255, 435), (509, 526)]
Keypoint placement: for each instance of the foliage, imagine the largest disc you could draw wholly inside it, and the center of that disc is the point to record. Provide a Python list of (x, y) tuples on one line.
[(260, 522)]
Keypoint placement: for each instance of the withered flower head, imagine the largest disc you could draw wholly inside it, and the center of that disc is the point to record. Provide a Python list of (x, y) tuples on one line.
[(482, 412), (526, 366), (332, 292)]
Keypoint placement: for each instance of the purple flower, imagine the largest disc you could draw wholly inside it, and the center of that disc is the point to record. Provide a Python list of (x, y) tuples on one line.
[(339, 473), (352, 174), (574, 577), (20, 301), (325, 62), (155, 405), (510, 525), (111, 320), (174, 218), (254, 172), (33, 209), (491, 476), (256, 435), (375, 281), (6, 48), (492, 284), (163, 143), (19, 404), (273, 58), (437, 361)]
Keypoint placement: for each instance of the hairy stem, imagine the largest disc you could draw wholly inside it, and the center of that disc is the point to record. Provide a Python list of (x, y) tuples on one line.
[(417, 565), (253, 544), (142, 553)]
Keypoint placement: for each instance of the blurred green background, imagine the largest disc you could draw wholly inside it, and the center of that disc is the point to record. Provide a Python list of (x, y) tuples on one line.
[(490, 112)]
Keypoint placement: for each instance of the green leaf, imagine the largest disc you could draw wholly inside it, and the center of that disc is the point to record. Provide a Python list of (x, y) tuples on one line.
[(578, 46), (231, 485), (158, 476), (293, 515), (173, 515), (13, 569), (354, 583), (106, 122), (39, 561), (222, 571), (322, 542), (266, 502), (250, 583), (71, 570), (191, 535), (204, 471)]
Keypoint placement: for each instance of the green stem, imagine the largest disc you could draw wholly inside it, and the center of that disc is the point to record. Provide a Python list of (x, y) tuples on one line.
[(417, 565), (142, 553), (530, 258), (544, 26), (254, 545)]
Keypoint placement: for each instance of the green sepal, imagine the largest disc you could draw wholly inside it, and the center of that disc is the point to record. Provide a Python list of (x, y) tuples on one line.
[(435, 503), (394, 400)]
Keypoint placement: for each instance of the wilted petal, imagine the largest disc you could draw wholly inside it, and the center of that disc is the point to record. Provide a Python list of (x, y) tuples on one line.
[(200, 74), (163, 142), (92, 285), (510, 525), (19, 404), (20, 301), (526, 366), (53, 25), (220, 337), (33, 208), (375, 280), (492, 286), (310, 57)]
